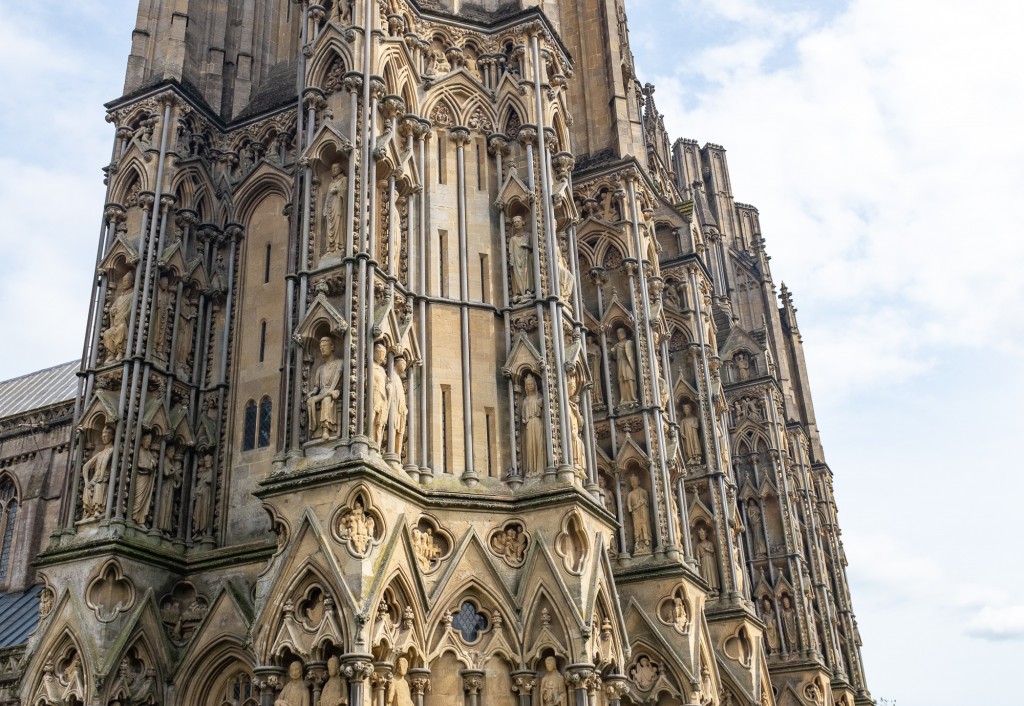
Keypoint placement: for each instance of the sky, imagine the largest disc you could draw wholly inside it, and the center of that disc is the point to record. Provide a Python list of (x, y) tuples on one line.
[(881, 143)]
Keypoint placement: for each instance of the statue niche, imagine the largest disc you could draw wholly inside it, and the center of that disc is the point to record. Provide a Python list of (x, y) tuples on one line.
[(638, 505), (146, 462), (115, 338), (624, 354), (324, 391), (520, 256), (534, 455), (335, 222), (96, 475)]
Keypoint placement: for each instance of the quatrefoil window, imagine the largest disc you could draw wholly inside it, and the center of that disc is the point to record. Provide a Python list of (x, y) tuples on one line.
[(469, 622)]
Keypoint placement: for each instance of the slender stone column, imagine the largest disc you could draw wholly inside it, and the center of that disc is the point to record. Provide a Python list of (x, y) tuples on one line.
[(356, 669), (419, 683), (579, 680), (460, 136), (523, 683), (472, 684), (380, 681), (615, 687)]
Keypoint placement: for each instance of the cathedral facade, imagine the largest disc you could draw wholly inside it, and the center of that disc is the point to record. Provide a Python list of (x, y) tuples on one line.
[(422, 368)]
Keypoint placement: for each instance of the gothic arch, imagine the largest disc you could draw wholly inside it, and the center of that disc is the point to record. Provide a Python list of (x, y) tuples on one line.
[(204, 674), (128, 173), (263, 182), (332, 46), (192, 188)]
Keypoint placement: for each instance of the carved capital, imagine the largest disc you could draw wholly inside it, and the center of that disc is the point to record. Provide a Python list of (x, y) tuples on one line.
[(472, 681), (459, 135), (524, 682), (419, 681)]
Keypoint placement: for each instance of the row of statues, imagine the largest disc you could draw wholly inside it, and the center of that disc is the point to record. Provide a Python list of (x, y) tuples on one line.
[(159, 515), (388, 403)]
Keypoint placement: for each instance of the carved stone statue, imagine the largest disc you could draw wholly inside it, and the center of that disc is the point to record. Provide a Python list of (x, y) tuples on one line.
[(742, 362), (756, 529), (519, 250), (145, 478), (625, 366), (566, 280), (399, 694), (510, 545), (606, 493), (594, 361), (425, 548), (115, 338), (96, 473), (552, 684), (644, 674), (334, 208), (705, 551), (186, 325), (164, 316), (399, 405), (324, 391), (359, 527), (295, 692), (771, 631), (638, 504), (201, 499), (789, 627), (689, 425), (737, 562), (534, 455), (671, 298), (172, 474), (381, 393), (334, 692), (579, 451), (680, 615)]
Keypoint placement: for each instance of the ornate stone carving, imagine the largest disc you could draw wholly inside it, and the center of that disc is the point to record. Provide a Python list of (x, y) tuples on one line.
[(145, 479), (324, 392), (381, 393), (644, 673), (771, 630), (358, 526), (689, 426), (295, 692), (335, 201), (706, 558), (115, 338), (623, 354), (163, 516), (96, 477), (789, 625), (510, 542), (552, 684), (534, 456), (638, 505), (521, 260), (202, 498), (181, 611), (334, 692)]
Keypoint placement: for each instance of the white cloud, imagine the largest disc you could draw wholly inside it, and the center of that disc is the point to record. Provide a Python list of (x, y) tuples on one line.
[(884, 158), (998, 623)]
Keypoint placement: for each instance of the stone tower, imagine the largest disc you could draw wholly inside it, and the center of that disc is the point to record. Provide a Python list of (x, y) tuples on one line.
[(423, 368)]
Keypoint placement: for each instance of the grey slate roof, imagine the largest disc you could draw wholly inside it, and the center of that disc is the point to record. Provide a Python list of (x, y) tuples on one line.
[(39, 389), (19, 615)]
